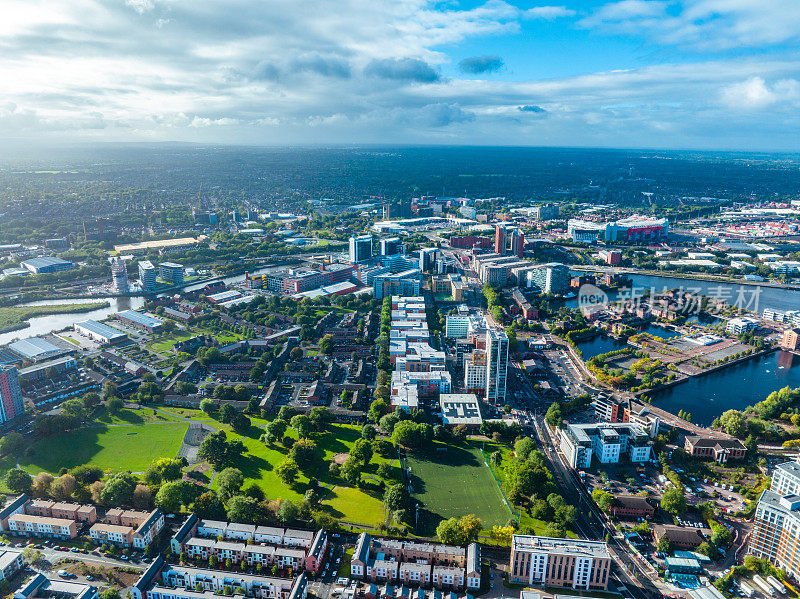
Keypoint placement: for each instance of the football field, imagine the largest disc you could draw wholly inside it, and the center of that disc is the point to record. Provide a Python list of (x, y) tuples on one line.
[(455, 482)]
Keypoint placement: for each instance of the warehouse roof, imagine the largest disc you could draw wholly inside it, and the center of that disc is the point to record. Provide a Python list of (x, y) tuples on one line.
[(34, 348), (99, 328)]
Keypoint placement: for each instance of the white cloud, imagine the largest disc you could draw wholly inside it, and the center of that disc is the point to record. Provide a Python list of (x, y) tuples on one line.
[(371, 71), (707, 25), (754, 93), (141, 6), (548, 12)]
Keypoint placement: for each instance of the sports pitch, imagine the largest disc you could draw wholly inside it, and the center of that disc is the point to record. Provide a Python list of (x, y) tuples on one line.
[(456, 482)]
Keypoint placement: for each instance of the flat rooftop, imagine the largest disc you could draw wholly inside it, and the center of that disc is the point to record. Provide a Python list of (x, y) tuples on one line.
[(577, 547)]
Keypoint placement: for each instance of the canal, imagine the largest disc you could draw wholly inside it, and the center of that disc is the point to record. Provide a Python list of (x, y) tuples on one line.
[(751, 297), (733, 388)]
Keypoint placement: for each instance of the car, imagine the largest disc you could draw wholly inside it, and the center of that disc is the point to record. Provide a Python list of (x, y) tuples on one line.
[(90, 578)]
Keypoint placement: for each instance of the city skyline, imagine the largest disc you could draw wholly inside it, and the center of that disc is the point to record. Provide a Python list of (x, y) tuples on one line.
[(705, 74)]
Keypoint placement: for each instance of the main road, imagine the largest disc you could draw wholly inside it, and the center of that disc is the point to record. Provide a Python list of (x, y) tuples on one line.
[(636, 574)]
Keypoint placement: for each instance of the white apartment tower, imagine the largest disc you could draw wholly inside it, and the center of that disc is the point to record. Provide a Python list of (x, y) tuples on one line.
[(496, 364)]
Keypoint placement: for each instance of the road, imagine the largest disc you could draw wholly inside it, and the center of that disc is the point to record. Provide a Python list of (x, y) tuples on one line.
[(635, 574)]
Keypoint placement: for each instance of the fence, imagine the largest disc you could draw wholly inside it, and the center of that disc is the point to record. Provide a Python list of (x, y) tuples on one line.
[(499, 484)]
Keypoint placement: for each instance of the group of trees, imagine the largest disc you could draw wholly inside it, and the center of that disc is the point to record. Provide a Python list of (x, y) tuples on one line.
[(459, 531)]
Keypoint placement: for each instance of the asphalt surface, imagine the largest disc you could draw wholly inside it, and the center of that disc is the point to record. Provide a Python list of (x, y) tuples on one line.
[(635, 574)]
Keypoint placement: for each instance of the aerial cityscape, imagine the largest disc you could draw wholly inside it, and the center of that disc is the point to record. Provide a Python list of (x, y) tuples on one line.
[(399, 299)]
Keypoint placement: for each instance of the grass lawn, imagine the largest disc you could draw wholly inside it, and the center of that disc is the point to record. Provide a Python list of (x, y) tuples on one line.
[(455, 482), (115, 448), (341, 501), (164, 343), (344, 568), (126, 416)]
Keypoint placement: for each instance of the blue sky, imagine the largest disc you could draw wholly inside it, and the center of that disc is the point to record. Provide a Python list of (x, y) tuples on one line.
[(707, 74)]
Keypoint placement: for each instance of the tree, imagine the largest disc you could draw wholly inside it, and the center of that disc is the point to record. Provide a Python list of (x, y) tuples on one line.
[(109, 594), (604, 500), (502, 534), (114, 405), (163, 469), (75, 408), (19, 481), (459, 531), (142, 496), (320, 417), (302, 424), (296, 353), (407, 434), (118, 490), (362, 451), (287, 471), (377, 409), (240, 423), (664, 546), (243, 509), (208, 505), (109, 390), (734, 423), (304, 453), (11, 443), (351, 470), (230, 481), (208, 406), (396, 497), (752, 445), (285, 413), (553, 415), (218, 451), (287, 512), (523, 448), (368, 432), (63, 487), (41, 484), (86, 474), (326, 344), (226, 411), (673, 501), (171, 496), (275, 430), (388, 422)]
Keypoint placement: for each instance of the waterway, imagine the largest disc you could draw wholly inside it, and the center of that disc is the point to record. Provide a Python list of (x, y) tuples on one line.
[(42, 325), (733, 388), (751, 297), (602, 344)]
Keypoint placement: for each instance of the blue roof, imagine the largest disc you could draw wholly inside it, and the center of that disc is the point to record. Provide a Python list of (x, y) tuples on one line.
[(142, 319), (98, 328), (46, 261), (34, 347)]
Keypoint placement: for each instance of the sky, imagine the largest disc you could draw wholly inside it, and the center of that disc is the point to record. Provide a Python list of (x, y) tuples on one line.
[(673, 74)]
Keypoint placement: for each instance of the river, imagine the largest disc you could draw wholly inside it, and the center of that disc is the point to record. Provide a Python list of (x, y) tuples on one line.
[(751, 297), (732, 388), (42, 325)]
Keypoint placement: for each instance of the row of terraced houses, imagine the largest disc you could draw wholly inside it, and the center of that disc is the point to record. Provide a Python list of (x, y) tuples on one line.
[(418, 564), (61, 520), (267, 545)]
